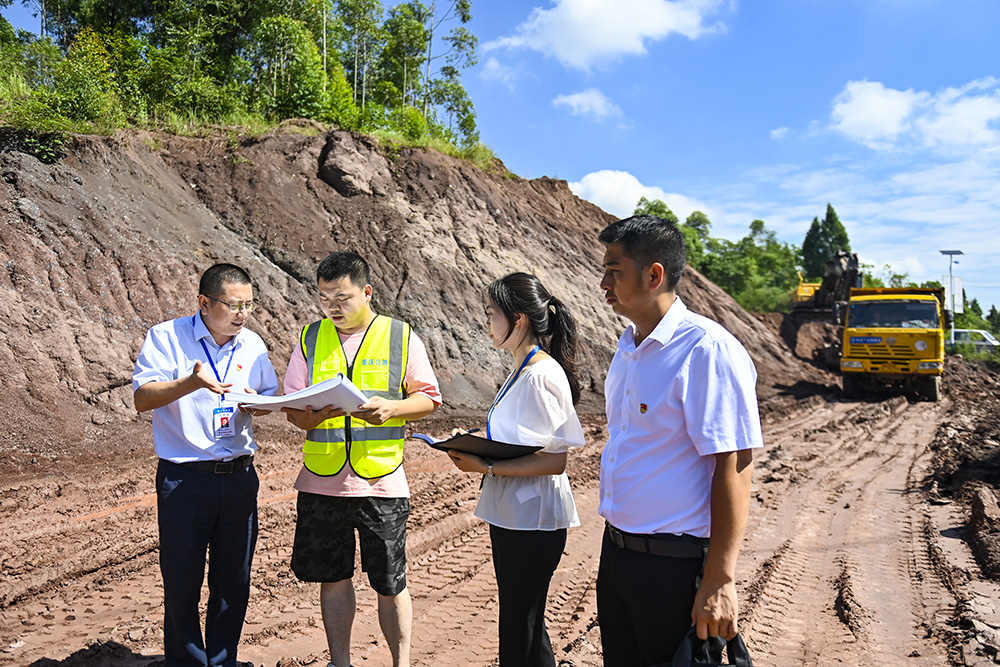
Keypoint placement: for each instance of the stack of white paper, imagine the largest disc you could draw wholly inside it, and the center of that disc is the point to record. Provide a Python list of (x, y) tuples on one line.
[(338, 391)]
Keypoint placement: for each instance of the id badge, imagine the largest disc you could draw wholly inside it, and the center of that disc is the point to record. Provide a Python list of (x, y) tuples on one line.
[(222, 418)]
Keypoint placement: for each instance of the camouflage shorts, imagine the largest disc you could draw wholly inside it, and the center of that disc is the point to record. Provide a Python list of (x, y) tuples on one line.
[(324, 540)]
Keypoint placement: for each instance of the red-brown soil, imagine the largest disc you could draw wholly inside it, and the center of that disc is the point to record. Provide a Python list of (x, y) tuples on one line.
[(874, 528)]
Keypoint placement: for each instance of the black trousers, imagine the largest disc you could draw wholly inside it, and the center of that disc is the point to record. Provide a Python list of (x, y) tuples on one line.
[(198, 512), (524, 561), (643, 604)]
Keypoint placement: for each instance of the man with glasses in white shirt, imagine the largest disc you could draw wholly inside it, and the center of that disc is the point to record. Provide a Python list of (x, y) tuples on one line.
[(677, 467), (206, 484)]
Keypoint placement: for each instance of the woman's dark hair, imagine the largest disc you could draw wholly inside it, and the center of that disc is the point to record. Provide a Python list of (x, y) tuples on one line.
[(549, 318)]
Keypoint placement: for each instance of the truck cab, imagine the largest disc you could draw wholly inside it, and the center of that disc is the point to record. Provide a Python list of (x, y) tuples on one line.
[(894, 338)]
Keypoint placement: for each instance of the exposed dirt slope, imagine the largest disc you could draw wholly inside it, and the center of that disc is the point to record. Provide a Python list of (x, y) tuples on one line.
[(111, 240)]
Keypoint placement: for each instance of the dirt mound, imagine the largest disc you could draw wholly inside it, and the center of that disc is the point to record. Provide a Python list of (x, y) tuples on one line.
[(109, 241), (807, 340), (967, 455)]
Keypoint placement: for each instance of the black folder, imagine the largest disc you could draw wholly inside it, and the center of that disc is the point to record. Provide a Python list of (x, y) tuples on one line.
[(484, 447)]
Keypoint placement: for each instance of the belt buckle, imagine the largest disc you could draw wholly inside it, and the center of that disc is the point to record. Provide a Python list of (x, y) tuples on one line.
[(616, 537), (225, 467)]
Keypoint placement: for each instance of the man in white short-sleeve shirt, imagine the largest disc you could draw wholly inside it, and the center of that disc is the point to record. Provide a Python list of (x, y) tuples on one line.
[(676, 470), (206, 483)]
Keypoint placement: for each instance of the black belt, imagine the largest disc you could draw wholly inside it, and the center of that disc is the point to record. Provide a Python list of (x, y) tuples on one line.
[(669, 545), (222, 467)]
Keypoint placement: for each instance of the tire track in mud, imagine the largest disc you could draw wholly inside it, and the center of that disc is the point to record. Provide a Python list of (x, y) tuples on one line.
[(838, 568)]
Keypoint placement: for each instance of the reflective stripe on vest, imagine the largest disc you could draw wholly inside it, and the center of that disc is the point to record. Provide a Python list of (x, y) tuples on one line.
[(378, 370)]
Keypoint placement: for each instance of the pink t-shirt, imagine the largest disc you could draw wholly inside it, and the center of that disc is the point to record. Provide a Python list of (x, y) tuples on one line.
[(419, 379)]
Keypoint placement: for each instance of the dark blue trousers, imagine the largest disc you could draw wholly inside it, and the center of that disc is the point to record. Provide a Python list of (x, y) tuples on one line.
[(203, 512)]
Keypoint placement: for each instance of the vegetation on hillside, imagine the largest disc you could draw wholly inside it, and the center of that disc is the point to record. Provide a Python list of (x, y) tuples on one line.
[(182, 65), (758, 271)]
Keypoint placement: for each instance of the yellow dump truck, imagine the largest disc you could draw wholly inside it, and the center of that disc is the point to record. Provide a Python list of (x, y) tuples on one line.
[(894, 338)]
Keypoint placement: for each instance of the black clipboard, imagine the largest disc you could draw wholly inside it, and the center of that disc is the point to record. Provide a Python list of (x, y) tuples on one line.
[(480, 446)]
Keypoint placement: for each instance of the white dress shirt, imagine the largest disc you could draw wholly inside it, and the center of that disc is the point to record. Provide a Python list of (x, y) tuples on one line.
[(686, 392), (183, 431), (537, 410)]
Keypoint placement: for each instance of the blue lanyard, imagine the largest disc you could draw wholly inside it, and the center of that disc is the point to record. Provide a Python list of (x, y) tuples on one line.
[(506, 388), (222, 397)]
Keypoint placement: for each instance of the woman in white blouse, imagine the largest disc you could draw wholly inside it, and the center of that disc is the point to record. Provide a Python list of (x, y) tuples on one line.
[(527, 501)]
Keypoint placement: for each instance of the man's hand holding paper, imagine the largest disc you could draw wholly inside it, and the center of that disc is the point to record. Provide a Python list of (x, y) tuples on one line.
[(309, 419), (377, 410)]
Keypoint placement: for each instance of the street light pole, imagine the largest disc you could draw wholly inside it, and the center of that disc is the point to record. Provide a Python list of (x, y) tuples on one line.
[(951, 284)]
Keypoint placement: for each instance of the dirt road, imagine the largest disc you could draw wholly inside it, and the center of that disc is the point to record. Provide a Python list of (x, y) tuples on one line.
[(846, 559)]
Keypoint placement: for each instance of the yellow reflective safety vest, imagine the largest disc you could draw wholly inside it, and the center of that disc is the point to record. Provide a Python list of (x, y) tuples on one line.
[(378, 370)]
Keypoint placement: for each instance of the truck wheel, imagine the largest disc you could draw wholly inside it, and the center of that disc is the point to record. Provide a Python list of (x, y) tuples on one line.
[(831, 358), (931, 389), (852, 386)]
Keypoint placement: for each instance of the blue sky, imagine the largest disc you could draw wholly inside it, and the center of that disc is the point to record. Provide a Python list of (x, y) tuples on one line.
[(887, 109)]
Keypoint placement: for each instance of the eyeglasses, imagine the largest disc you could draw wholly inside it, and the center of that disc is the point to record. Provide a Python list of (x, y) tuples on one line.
[(236, 307)]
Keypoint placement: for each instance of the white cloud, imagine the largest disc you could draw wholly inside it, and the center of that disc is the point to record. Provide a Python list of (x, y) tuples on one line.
[(962, 121), (583, 33), (952, 121), (870, 113), (617, 192), (779, 133), (590, 102), (494, 70)]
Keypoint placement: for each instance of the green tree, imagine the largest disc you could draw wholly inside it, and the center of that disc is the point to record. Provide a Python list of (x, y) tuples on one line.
[(824, 238), (972, 318), (695, 230), (340, 107), (450, 95), (889, 277), (655, 207), (128, 58), (403, 56), (758, 270), (461, 43), (363, 35), (994, 319), (66, 19), (699, 222), (288, 70), (85, 83)]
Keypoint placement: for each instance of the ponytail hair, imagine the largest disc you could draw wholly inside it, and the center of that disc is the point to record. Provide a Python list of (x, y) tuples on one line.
[(550, 320)]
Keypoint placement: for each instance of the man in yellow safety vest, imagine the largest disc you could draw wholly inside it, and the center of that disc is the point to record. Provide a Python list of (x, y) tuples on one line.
[(352, 477)]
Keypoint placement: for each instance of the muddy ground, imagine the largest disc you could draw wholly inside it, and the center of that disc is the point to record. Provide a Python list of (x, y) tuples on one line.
[(861, 548)]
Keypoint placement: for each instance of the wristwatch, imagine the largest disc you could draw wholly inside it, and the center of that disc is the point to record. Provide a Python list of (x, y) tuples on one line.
[(489, 468)]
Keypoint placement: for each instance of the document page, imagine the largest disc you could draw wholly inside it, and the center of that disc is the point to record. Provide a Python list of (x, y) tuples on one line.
[(338, 391)]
